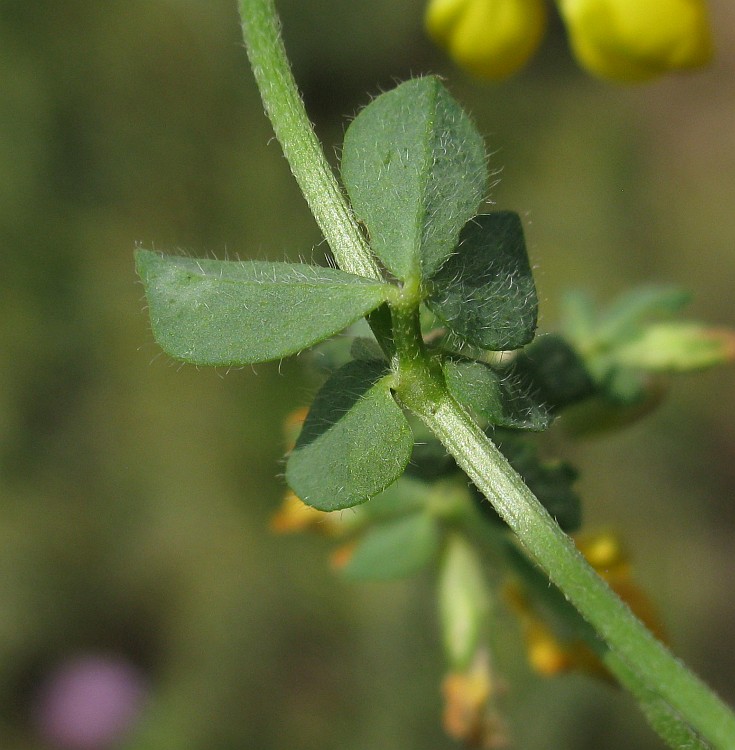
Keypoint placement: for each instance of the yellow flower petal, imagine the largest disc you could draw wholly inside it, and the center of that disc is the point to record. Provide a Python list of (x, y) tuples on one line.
[(294, 515), (469, 713), (489, 38), (441, 17), (604, 551), (634, 40), (546, 654), (292, 425)]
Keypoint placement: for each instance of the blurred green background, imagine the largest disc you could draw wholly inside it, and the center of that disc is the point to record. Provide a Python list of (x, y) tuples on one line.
[(135, 494)]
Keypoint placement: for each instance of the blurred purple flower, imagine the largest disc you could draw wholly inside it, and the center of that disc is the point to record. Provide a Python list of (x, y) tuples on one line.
[(88, 702)]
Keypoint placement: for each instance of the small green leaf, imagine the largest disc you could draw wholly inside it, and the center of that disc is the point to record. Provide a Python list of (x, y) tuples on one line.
[(213, 312), (504, 400), (407, 495), (578, 317), (609, 410), (414, 167), (366, 349), (355, 440), (485, 292), (625, 387), (557, 374), (395, 549), (625, 317)]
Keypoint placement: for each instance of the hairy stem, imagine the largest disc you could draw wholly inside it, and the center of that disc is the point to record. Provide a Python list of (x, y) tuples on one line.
[(299, 142), (424, 392), (568, 570)]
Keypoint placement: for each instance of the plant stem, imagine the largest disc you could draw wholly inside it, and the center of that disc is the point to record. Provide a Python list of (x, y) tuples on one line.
[(491, 473), (626, 636), (261, 30)]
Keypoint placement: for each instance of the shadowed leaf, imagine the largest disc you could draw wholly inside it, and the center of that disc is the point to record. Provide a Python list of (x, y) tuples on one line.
[(505, 400), (485, 292), (355, 440)]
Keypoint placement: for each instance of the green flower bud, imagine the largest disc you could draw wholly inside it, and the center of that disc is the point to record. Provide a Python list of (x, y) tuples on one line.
[(464, 602), (678, 347)]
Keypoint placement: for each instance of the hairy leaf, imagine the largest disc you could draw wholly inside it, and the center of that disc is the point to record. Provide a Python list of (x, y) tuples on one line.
[(414, 167), (355, 440), (506, 400), (485, 292), (555, 371), (214, 312)]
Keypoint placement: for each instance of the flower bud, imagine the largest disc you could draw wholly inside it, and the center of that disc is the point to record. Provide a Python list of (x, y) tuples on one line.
[(633, 40), (470, 714), (463, 602), (489, 38), (678, 347)]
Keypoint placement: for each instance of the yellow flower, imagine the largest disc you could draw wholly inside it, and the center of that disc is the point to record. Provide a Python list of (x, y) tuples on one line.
[(633, 40), (623, 40), (294, 515), (489, 38), (292, 425), (469, 712)]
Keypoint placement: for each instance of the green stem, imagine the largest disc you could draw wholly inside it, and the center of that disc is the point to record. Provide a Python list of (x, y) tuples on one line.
[(491, 473), (424, 393), (301, 147)]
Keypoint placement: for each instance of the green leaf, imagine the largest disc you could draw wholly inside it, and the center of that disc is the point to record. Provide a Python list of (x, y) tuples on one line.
[(213, 312), (629, 312), (503, 400), (355, 440), (407, 495), (485, 292), (414, 167), (624, 387), (557, 373), (578, 317), (395, 549), (330, 355), (366, 349)]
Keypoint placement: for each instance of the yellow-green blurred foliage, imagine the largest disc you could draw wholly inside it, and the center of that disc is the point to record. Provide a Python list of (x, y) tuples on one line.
[(135, 494)]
